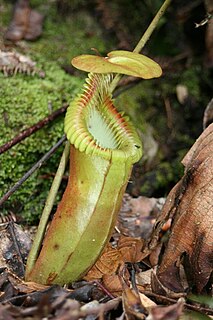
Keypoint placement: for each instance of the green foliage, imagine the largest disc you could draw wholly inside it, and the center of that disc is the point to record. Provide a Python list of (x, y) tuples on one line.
[(204, 299)]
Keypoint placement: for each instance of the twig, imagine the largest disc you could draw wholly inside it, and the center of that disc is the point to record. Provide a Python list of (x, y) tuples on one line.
[(47, 209), (145, 37), (168, 113), (105, 290), (32, 170), (27, 132)]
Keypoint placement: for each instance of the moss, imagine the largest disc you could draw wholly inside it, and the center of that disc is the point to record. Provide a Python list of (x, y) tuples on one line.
[(25, 100)]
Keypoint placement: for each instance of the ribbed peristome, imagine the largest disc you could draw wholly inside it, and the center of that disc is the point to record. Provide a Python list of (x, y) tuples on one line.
[(94, 126)]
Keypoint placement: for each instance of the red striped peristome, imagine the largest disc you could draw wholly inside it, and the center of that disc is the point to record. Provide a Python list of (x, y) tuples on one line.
[(96, 102)]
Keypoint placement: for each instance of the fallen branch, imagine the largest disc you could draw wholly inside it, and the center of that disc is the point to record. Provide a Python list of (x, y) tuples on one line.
[(32, 170), (27, 132)]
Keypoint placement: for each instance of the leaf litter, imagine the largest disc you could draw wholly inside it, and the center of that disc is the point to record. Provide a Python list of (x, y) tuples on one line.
[(189, 205)]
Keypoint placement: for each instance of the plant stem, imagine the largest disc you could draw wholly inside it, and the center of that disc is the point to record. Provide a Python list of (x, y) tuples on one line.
[(47, 209), (151, 27), (144, 38)]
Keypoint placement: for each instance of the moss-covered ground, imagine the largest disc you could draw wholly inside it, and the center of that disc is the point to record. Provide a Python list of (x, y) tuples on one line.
[(27, 99)]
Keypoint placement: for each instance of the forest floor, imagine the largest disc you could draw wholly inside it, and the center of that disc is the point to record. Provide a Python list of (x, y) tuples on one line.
[(158, 264)]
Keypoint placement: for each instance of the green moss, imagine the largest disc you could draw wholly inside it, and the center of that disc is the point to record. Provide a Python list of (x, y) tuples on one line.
[(25, 100)]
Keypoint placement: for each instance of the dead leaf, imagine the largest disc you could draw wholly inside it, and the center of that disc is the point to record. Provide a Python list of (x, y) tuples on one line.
[(107, 264), (147, 302), (128, 250), (112, 283), (24, 287), (143, 279), (26, 23), (14, 249), (208, 114), (163, 290), (13, 287), (172, 312), (190, 206), (132, 303)]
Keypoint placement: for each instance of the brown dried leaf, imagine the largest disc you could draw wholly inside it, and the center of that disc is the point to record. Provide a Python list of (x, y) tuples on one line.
[(132, 303), (24, 287), (26, 23), (128, 250), (108, 263), (15, 246), (172, 312), (190, 203), (157, 286), (147, 302), (143, 279), (112, 283)]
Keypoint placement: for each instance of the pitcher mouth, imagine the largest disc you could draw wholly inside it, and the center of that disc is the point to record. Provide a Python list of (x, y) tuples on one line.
[(94, 126)]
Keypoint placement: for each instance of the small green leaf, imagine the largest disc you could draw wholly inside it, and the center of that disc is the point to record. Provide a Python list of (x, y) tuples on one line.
[(124, 62), (207, 300)]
